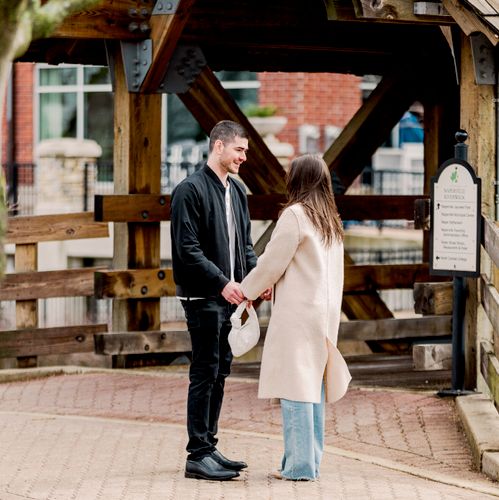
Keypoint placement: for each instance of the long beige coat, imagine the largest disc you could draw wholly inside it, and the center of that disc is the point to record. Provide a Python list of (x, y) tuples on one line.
[(300, 346)]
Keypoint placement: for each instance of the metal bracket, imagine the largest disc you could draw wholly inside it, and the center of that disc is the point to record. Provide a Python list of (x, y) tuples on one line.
[(165, 7), (185, 65), (430, 9), (482, 52), (137, 57)]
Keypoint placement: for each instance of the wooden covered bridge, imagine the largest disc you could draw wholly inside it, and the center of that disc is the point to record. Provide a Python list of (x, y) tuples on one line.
[(440, 53)]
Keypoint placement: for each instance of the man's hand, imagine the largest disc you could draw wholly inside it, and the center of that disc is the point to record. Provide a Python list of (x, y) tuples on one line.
[(232, 293), (267, 294)]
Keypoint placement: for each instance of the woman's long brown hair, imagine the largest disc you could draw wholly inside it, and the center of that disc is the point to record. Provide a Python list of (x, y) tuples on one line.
[(309, 183)]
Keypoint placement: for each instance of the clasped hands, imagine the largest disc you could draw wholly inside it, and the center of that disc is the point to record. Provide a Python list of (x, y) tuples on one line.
[(233, 294)]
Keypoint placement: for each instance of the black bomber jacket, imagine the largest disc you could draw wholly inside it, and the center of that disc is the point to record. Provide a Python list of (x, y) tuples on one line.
[(200, 238)]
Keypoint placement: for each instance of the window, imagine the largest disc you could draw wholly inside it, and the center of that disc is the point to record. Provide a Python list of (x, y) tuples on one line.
[(76, 101), (182, 127)]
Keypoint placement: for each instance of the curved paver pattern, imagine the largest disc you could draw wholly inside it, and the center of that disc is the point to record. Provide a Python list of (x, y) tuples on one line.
[(120, 435)]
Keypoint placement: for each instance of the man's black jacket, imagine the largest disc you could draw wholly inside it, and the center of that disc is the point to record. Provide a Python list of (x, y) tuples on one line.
[(200, 238)]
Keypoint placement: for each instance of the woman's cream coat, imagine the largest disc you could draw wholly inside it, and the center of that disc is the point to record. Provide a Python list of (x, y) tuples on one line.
[(300, 346)]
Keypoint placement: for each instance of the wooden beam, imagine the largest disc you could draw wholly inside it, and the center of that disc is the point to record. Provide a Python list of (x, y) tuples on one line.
[(27, 286), (371, 125), (489, 365), (365, 278), (25, 260), (468, 21), (108, 20), (135, 284), (154, 208), (142, 342), (137, 164), (491, 239), (179, 341), (132, 208), (490, 301), (39, 341), (433, 298), (59, 227), (165, 33), (478, 118), (209, 103), (388, 329)]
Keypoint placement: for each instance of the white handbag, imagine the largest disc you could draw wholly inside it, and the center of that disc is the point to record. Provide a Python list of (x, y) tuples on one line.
[(243, 337)]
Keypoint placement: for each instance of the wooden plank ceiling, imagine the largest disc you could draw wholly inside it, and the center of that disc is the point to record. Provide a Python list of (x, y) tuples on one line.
[(256, 35)]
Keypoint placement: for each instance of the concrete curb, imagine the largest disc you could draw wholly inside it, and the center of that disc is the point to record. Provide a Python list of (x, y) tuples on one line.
[(481, 424)]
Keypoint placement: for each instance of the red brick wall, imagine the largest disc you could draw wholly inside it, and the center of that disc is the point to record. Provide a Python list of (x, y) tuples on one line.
[(310, 98), (24, 95)]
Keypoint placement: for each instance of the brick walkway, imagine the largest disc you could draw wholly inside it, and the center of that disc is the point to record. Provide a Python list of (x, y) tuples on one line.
[(121, 435)]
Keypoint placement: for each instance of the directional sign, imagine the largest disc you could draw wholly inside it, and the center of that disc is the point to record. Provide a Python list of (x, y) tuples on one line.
[(455, 220)]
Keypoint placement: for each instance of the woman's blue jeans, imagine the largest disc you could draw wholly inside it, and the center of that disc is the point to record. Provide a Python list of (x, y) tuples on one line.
[(303, 427)]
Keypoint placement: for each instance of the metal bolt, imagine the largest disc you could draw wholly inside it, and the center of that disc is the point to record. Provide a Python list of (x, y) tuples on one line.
[(169, 6), (144, 12), (143, 290), (132, 12), (161, 275), (80, 338), (133, 27), (159, 6), (163, 336), (145, 214), (144, 27), (162, 201), (146, 347)]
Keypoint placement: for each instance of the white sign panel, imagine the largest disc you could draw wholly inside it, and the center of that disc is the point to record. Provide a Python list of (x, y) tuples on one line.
[(455, 223)]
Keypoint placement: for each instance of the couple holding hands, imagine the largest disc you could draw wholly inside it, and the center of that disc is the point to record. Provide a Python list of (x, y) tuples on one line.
[(301, 272)]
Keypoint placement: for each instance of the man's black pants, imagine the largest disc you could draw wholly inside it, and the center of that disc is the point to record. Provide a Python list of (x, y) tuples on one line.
[(208, 321)]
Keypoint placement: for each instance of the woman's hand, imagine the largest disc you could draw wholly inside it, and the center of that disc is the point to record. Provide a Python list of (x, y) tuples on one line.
[(267, 294)]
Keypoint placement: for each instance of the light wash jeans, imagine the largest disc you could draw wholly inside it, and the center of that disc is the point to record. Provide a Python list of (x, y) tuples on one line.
[(303, 427)]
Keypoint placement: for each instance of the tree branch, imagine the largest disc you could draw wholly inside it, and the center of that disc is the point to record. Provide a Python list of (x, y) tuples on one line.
[(48, 17)]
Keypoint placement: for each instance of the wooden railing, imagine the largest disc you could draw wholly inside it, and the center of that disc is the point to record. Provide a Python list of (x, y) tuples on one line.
[(27, 285), (359, 279), (489, 351)]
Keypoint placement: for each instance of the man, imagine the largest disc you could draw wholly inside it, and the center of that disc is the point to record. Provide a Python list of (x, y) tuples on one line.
[(212, 252)]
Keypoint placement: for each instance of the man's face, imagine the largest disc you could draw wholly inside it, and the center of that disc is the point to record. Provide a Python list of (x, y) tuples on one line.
[(232, 154)]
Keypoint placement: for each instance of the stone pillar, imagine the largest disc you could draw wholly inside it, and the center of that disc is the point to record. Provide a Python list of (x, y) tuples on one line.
[(65, 175)]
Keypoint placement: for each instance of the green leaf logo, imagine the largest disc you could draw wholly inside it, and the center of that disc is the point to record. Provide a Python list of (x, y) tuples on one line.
[(453, 176)]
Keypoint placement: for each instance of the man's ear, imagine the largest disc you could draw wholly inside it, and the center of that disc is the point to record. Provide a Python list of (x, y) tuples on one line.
[(219, 146)]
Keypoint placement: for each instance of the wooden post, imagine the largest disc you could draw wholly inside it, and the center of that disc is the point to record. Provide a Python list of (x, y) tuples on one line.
[(137, 169), (478, 119), (26, 259)]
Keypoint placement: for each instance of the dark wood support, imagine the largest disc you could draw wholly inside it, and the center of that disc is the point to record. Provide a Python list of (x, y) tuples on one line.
[(39, 341), (166, 30), (433, 298), (155, 208), (28, 286), (59, 227), (179, 340), (209, 103), (135, 284)]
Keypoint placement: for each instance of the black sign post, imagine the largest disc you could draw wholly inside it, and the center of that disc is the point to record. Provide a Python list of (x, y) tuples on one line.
[(455, 242)]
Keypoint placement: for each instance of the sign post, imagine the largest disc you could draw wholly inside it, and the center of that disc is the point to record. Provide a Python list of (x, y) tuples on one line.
[(455, 242)]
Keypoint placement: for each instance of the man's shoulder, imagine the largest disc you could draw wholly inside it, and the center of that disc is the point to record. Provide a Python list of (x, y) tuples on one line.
[(238, 186)]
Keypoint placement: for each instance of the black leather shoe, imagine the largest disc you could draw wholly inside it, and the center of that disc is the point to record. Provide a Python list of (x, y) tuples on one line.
[(228, 464), (208, 468)]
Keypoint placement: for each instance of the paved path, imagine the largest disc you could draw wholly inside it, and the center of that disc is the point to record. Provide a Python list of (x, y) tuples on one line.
[(120, 435)]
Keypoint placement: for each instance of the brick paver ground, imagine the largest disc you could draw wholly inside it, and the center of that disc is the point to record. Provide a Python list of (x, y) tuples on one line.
[(121, 435)]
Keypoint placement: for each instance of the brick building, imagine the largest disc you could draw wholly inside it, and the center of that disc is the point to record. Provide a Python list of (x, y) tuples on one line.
[(314, 101)]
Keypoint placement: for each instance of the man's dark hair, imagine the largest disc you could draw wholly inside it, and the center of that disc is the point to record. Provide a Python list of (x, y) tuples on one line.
[(227, 131)]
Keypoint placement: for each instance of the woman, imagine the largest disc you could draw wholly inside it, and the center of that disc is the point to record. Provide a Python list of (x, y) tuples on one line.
[(300, 363)]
